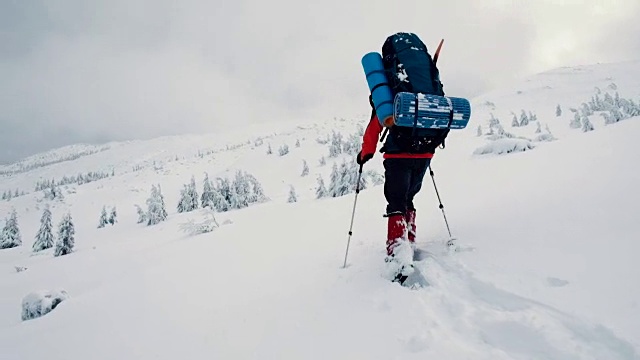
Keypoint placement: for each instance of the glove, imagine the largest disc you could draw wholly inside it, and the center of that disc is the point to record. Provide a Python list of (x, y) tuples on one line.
[(361, 159)]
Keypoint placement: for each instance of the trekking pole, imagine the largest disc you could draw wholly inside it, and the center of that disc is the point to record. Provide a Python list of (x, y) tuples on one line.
[(353, 213), (450, 242)]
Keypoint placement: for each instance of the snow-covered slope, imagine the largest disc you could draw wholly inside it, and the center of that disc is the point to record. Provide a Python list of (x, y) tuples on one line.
[(548, 269)]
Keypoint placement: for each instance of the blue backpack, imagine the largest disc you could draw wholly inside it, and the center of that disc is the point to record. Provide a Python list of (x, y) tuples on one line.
[(410, 68)]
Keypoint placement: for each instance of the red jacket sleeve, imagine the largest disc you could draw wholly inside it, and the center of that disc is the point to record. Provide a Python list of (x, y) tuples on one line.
[(371, 136)]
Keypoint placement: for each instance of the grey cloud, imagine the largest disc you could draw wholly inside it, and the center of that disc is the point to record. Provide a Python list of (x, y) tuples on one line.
[(87, 71)]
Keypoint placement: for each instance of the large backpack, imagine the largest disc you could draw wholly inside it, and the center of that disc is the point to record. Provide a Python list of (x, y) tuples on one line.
[(410, 68)]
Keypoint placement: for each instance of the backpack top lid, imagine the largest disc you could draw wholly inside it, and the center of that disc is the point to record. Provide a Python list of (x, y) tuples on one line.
[(400, 41), (409, 66)]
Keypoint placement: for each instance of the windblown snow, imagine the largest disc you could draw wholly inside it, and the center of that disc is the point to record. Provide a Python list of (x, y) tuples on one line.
[(540, 191)]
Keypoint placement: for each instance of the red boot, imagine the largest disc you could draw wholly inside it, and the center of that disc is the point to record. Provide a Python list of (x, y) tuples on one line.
[(396, 231), (410, 217)]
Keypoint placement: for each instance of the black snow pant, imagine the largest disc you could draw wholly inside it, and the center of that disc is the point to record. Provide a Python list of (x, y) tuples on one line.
[(403, 180)]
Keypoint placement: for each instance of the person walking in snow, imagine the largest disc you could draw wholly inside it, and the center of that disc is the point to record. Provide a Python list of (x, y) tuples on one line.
[(404, 172)]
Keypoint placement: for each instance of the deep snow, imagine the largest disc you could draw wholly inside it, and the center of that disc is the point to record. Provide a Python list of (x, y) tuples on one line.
[(549, 273)]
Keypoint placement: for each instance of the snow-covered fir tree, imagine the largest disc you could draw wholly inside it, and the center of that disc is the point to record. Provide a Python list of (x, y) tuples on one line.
[(524, 119), (44, 237), (305, 168), (10, 236), (335, 145), (532, 116), (222, 195), (113, 216), (156, 211), (322, 161), (293, 197), (243, 191), (248, 190), (612, 116), (558, 111), (586, 110), (66, 239), (53, 193), (479, 133), (206, 199), (269, 151), (297, 143), (193, 194), (514, 121), (321, 189), (104, 219), (352, 145), (576, 122), (608, 100), (240, 191), (185, 200), (493, 121), (142, 215), (586, 124), (538, 128), (344, 180), (283, 150)]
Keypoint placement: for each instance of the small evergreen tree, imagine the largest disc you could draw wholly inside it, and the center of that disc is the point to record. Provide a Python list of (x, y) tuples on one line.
[(335, 147), (524, 119), (305, 168), (538, 128), (292, 195), (142, 215), (269, 151), (156, 211), (207, 192), (344, 180), (586, 124), (576, 123), (298, 143), (44, 237), (104, 220), (514, 121), (193, 194), (283, 150), (479, 130), (321, 190), (10, 236), (322, 161), (185, 200), (66, 240), (558, 111), (113, 216)]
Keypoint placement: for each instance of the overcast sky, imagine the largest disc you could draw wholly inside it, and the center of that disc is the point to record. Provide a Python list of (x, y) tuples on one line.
[(92, 71)]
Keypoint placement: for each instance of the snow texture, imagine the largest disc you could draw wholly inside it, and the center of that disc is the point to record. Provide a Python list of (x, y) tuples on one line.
[(548, 239)]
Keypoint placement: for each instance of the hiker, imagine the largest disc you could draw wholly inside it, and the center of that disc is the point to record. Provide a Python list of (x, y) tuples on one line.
[(403, 179), (404, 68)]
